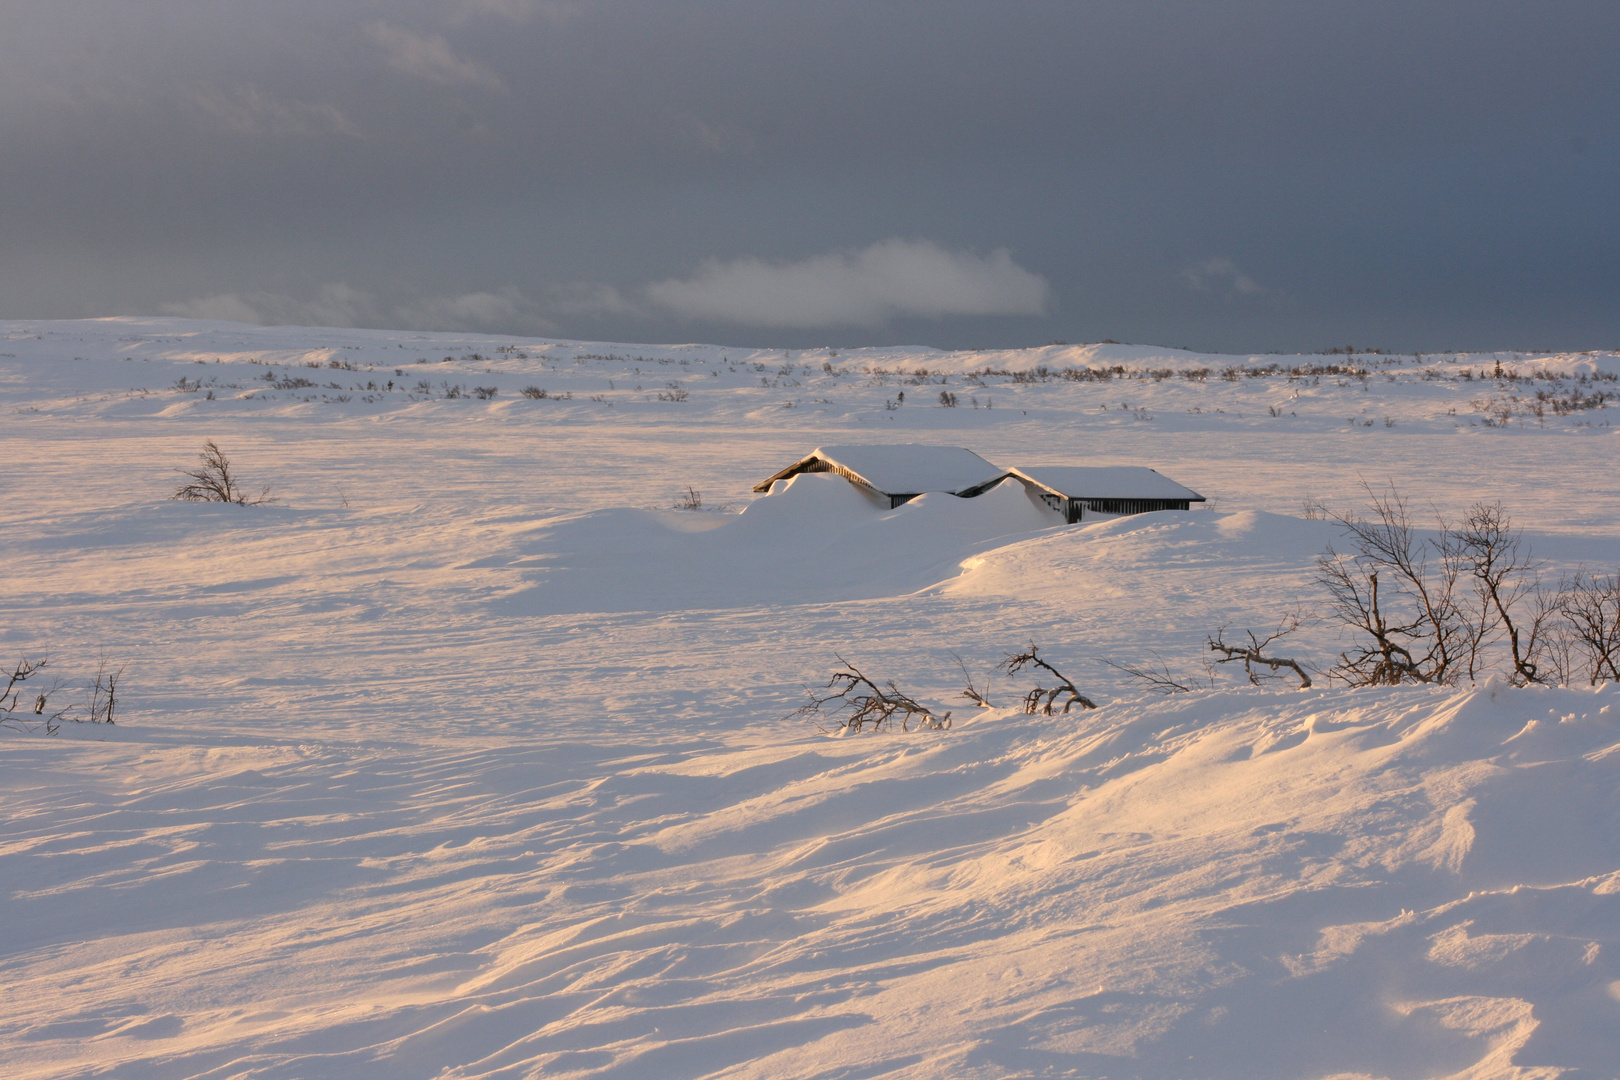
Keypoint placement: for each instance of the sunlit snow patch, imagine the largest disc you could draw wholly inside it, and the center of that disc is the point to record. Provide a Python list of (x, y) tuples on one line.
[(814, 538)]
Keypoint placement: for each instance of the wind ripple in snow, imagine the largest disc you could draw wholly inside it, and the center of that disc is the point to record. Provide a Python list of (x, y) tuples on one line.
[(1136, 891)]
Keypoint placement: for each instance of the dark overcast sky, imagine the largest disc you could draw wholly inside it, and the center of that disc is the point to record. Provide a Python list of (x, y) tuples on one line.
[(1230, 175)]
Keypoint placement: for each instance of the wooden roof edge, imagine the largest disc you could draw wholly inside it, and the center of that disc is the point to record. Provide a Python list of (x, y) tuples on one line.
[(833, 466), (980, 489), (985, 485)]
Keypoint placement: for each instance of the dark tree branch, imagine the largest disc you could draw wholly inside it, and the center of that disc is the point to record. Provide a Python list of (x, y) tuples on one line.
[(979, 697), (1504, 573), (865, 702), (1251, 654), (1591, 609), (9, 700), (1042, 699), (1159, 679), (213, 481)]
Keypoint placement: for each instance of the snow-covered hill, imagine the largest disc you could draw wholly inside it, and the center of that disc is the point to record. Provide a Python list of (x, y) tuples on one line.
[(471, 757)]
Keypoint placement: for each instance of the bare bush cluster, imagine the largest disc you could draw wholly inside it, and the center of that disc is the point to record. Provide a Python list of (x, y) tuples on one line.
[(856, 702), (32, 710), (863, 703), (1041, 698), (1460, 602), (215, 481)]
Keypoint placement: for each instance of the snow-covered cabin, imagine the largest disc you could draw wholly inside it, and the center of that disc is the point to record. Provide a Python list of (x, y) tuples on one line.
[(1107, 489), (899, 472)]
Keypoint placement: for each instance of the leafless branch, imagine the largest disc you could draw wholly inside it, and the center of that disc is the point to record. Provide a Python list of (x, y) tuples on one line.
[(1504, 573), (24, 670), (104, 692), (1251, 655), (1042, 699), (1591, 608), (213, 481), (1413, 625), (980, 697), (864, 703), (1159, 679)]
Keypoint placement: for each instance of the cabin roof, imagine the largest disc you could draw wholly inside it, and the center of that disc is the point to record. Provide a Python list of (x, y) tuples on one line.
[(1103, 482), (897, 469)]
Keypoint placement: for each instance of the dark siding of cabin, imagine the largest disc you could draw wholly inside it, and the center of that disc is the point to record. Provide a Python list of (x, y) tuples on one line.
[(1133, 506)]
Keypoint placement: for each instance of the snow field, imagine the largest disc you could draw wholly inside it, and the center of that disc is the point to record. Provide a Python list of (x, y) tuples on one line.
[(471, 758)]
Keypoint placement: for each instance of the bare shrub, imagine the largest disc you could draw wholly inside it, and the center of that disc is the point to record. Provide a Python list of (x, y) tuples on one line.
[(484, 393), (213, 481), (864, 703), (1504, 575), (1436, 609), (1041, 699), (1159, 678), (24, 670), (34, 712), (534, 392), (1409, 626), (103, 703), (692, 499), (1251, 655), (1590, 606), (979, 696)]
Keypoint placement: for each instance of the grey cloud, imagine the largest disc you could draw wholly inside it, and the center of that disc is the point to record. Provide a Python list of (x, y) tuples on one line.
[(1217, 274), (246, 110), (588, 299), (720, 138), (336, 305), (888, 280), (429, 56), (517, 11), (504, 311), (1414, 178)]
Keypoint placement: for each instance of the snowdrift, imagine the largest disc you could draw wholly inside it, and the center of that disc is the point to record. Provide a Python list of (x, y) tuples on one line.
[(1235, 884), (815, 537)]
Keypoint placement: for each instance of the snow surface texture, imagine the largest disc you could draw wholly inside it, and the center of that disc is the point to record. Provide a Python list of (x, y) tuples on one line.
[(472, 758)]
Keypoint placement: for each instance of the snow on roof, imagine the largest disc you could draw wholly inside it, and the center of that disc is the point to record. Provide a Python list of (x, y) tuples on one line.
[(1106, 482), (902, 469)]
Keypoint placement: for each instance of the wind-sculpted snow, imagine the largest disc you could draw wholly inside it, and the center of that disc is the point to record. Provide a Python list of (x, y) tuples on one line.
[(1238, 884), (471, 758), (817, 536)]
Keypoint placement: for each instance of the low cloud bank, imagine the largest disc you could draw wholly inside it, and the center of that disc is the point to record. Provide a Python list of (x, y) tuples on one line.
[(505, 311), (890, 279), (860, 288)]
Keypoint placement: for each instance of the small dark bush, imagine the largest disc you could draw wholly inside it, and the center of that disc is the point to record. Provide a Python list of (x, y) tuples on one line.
[(213, 481)]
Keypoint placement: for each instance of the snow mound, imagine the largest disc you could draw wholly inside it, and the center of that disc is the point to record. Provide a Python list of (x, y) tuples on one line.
[(815, 538)]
